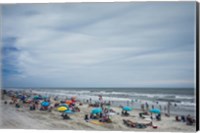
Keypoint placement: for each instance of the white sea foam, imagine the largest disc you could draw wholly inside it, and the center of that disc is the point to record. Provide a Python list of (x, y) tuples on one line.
[(185, 103)]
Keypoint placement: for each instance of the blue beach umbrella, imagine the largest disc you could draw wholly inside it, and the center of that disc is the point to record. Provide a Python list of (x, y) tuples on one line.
[(126, 108), (156, 111), (45, 104), (68, 112), (96, 110)]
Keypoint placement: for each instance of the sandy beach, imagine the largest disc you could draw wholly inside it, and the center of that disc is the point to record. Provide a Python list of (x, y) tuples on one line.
[(106, 66), (23, 118)]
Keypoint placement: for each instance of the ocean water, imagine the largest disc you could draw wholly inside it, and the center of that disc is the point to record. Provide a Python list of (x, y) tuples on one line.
[(183, 98)]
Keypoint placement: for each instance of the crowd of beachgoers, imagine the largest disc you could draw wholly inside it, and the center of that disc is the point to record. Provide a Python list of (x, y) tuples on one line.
[(90, 115)]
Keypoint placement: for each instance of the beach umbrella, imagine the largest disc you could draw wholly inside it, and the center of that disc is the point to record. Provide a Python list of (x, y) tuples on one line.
[(96, 110), (37, 97), (126, 108), (64, 105), (156, 111), (44, 97), (69, 102), (62, 109), (68, 112), (45, 104)]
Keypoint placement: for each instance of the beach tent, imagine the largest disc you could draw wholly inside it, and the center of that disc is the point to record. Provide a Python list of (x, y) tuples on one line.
[(96, 110), (156, 111), (126, 108), (62, 109), (45, 104)]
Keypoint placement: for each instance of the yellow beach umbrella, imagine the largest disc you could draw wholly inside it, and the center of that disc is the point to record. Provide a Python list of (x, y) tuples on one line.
[(62, 108)]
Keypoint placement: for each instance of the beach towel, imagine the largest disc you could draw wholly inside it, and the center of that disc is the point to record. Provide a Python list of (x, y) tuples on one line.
[(97, 122)]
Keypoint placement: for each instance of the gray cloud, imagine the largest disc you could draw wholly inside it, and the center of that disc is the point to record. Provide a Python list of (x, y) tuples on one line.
[(107, 44)]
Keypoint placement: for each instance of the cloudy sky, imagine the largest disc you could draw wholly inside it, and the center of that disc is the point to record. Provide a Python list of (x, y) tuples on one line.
[(99, 45)]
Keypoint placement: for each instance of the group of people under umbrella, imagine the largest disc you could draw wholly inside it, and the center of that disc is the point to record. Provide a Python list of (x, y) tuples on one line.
[(157, 112), (129, 123), (68, 107), (43, 103), (101, 114)]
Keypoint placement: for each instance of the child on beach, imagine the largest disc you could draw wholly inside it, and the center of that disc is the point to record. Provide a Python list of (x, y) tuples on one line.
[(142, 107)]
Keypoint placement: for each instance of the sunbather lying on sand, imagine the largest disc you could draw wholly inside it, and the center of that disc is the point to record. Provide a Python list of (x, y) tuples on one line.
[(135, 124), (105, 119)]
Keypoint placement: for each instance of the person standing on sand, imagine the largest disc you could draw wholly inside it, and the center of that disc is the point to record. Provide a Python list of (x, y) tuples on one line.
[(142, 107), (147, 106), (165, 108), (168, 108), (90, 100)]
